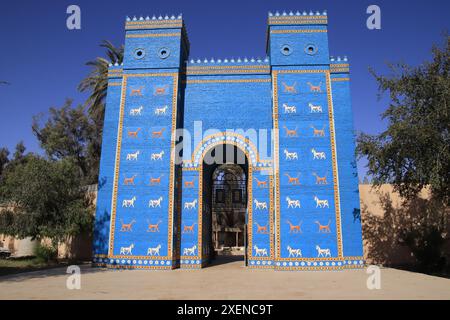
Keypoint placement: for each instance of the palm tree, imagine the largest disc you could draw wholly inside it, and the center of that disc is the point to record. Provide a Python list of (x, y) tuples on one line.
[(97, 80), (97, 84)]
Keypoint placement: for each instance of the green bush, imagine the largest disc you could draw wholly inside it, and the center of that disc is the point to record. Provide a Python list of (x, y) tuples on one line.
[(46, 253)]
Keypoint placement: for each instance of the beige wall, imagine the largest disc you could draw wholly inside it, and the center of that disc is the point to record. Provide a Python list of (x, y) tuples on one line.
[(382, 217), (382, 214)]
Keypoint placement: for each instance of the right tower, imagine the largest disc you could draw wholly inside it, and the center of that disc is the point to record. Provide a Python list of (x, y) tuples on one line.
[(316, 185)]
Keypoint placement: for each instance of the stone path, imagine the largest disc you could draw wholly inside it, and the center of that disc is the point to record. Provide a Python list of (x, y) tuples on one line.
[(222, 281)]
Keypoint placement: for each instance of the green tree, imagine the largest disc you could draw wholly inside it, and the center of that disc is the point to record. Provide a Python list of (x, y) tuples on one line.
[(413, 153), (68, 133), (4, 154), (42, 198), (19, 152)]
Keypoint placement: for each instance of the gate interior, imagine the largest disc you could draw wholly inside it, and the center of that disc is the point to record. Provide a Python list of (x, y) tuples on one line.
[(225, 199)]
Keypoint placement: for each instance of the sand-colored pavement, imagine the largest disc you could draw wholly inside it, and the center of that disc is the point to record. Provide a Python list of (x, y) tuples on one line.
[(223, 281)]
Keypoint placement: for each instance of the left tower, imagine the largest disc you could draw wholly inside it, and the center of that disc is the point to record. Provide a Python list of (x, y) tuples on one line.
[(137, 213)]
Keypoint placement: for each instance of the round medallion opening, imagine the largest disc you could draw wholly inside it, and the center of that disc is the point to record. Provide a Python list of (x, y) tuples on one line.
[(139, 53), (163, 53), (311, 49), (286, 50)]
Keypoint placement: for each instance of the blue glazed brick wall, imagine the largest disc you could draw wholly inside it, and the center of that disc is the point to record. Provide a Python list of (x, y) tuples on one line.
[(297, 159), (145, 167), (298, 44), (144, 191), (151, 47), (348, 178), (302, 190), (106, 174), (223, 103)]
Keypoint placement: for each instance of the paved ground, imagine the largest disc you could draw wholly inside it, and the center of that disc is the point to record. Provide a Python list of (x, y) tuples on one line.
[(222, 281)]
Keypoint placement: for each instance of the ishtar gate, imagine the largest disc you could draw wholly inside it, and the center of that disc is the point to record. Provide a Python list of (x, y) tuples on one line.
[(282, 190)]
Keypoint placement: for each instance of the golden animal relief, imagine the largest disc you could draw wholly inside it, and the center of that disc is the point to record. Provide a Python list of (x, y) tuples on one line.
[(158, 134), (289, 89), (262, 229), (290, 133), (293, 180), (133, 134), (314, 88), (153, 227), (295, 228), (317, 132), (127, 227), (129, 181), (189, 229), (261, 183), (155, 181), (320, 180), (159, 91), (190, 184), (137, 92), (323, 228)]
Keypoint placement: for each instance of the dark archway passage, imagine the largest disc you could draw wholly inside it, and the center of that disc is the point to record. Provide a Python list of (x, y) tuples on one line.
[(225, 198)]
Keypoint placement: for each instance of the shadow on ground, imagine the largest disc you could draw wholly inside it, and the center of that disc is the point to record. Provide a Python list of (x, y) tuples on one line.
[(220, 260), (57, 270)]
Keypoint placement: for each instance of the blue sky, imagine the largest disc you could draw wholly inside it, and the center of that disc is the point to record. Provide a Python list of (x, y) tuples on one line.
[(44, 61)]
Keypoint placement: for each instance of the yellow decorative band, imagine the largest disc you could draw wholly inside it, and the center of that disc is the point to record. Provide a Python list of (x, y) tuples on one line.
[(298, 31), (164, 74), (151, 35), (340, 65), (339, 70), (154, 26), (340, 79), (232, 71), (299, 20), (298, 17), (117, 75), (191, 169), (319, 268), (303, 71), (226, 67), (154, 22), (229, 81)]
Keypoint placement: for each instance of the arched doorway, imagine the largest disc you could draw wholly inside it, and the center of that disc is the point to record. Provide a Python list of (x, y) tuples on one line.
[(225, 201)]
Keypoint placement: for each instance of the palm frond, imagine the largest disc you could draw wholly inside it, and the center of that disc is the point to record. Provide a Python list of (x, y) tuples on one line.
[(96, 81)]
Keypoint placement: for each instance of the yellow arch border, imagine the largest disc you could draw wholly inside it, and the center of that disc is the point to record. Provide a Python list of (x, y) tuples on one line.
[(197, 153), (252, 163)]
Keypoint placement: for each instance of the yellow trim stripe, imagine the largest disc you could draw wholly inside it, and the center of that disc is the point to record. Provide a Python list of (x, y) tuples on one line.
[(298, 31), (227, 81), (152, 35)]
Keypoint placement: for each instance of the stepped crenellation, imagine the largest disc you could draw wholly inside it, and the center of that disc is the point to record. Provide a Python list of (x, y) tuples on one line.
[(229, 60), (154, 17), (115, 65), (297, 13), (338, 59)]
